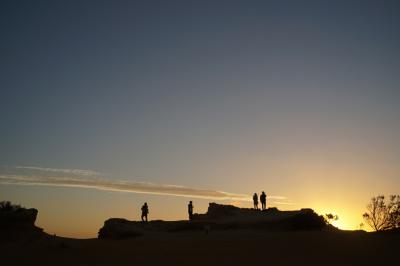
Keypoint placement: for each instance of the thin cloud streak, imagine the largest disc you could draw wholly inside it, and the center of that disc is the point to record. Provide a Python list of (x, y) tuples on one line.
[(30, 175), (276, 197), (284, 203), (122, 186), (58, 170), (21, 175)]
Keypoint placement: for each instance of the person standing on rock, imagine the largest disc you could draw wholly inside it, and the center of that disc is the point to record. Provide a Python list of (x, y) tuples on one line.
[(145, 211), (255, 200), (263, 199), (190, 210)]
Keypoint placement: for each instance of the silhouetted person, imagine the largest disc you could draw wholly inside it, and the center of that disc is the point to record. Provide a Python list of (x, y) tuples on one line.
[(263, 199), (145, 211), (190, 210), (255, 200)]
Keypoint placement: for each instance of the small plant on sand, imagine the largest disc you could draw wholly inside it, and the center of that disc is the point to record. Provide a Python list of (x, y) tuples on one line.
[(382, 215)]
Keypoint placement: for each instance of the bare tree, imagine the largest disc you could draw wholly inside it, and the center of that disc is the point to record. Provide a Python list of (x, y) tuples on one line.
[(394, 210), (381, 215)]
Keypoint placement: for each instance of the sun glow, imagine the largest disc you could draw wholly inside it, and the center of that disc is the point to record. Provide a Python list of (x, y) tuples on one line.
[(347, 220)]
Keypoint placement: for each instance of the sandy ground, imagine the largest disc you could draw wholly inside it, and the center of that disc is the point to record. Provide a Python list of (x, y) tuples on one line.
[(216, 248)]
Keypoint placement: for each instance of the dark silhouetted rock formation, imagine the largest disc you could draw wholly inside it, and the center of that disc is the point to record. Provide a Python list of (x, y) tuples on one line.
[(19, 218), (17, 223), (121, 228), (219, 217)]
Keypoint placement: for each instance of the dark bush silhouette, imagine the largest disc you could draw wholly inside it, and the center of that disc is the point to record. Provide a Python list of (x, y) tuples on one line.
[(15, 215), (330, 217), (18, 223), (307, 220), (382, 215), (7, 206)]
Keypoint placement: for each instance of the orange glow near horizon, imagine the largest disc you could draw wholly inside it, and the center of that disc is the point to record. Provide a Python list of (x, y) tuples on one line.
[(81, 212)]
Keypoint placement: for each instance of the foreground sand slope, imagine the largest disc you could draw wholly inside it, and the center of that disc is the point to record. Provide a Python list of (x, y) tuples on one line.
[(239, 247)]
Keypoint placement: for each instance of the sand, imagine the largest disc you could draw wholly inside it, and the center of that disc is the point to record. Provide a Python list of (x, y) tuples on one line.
[(217, 248)]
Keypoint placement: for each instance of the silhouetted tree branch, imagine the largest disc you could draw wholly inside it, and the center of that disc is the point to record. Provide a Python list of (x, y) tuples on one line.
[(381, 215), (330, 217)]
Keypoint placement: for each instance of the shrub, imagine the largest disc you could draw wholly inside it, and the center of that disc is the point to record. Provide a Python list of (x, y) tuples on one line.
[(382, 215)]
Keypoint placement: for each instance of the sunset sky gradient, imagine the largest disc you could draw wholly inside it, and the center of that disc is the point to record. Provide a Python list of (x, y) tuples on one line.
[(190, 99)]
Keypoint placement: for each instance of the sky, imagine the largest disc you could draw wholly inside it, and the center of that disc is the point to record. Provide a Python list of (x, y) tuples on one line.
[(107, 104)]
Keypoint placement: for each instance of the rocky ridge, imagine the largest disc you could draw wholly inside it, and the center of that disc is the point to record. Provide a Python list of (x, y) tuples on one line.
[(218, 217)]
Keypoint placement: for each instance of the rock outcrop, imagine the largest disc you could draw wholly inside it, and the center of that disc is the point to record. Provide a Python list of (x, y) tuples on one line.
[(116, 228), (18, 223), (218, 217), (18, 218)]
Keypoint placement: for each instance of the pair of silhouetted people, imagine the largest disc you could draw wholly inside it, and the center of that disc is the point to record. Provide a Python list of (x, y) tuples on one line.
[(263, 200), (145, 211)]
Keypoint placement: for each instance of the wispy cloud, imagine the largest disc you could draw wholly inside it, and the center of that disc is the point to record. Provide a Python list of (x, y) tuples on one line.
[(58, 170), (23, 175), (284, 203), (276, 197), (32, 175)]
